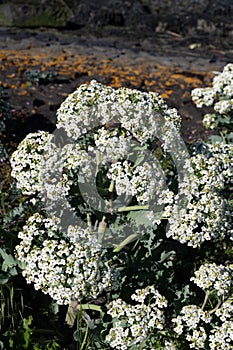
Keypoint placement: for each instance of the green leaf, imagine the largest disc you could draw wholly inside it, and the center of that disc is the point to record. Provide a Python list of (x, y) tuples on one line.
[(224, 119), (139, 160), (76, 335), (141, 217), (8, 260), (55, 308), (166, 255), (13, 271), (229, 137), (21, 264), (27, 331), (92, 307), (215, 138), (126, 241), (4, 279), (132, 208), (74, 307)]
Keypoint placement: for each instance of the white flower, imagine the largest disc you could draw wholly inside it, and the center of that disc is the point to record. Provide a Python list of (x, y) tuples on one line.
[(25, 161), (206, 217), (67, 268), (191, 323), (214, 277), (219, 96), (221, 337), (135, 322)]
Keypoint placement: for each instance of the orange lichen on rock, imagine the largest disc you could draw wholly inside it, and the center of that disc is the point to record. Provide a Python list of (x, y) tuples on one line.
[(138, 73), (37, 79)]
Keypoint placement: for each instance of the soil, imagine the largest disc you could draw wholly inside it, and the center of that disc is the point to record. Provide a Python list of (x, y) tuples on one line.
[(40, 67)]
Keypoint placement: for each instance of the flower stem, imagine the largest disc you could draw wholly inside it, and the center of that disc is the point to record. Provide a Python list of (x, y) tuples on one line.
[(134, 207), (111, 186), (205, 300)]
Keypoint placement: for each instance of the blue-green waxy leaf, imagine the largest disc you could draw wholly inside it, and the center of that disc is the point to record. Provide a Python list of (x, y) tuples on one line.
[(8, 260), (4, 278)]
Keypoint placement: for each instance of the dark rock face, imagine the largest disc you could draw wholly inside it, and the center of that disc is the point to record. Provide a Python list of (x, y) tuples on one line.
[(101, 13), (185, 17), (34, 13), (164, 7)]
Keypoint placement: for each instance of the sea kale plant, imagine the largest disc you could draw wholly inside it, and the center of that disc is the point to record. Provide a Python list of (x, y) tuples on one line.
[(129, 225)]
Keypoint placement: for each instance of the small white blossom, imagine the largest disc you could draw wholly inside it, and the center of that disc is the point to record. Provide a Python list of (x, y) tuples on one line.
[(214, 277), (191, 323), (219, 96), (65, 268), (133, 323), (221, 337)]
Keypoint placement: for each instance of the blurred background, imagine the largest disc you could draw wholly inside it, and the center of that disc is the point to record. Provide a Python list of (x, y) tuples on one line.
[(209, 20)]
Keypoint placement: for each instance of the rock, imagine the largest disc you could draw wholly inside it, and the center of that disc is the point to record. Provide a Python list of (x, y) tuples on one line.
[(178, 7), (34, 13), (139, 17), (107, 12)]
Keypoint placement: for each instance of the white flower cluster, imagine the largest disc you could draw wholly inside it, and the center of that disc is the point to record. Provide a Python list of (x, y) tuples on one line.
[(224, 106), (26, 161), (225, 312), (214, 277), (64, 267), (191, 323), (201, 329), (220, 96), (113, 146), (140, 113), (202, 220), (221, 336), (203, 96), (133, 323), (214, 168), (140, 181), (212, 328), (206, 216)]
